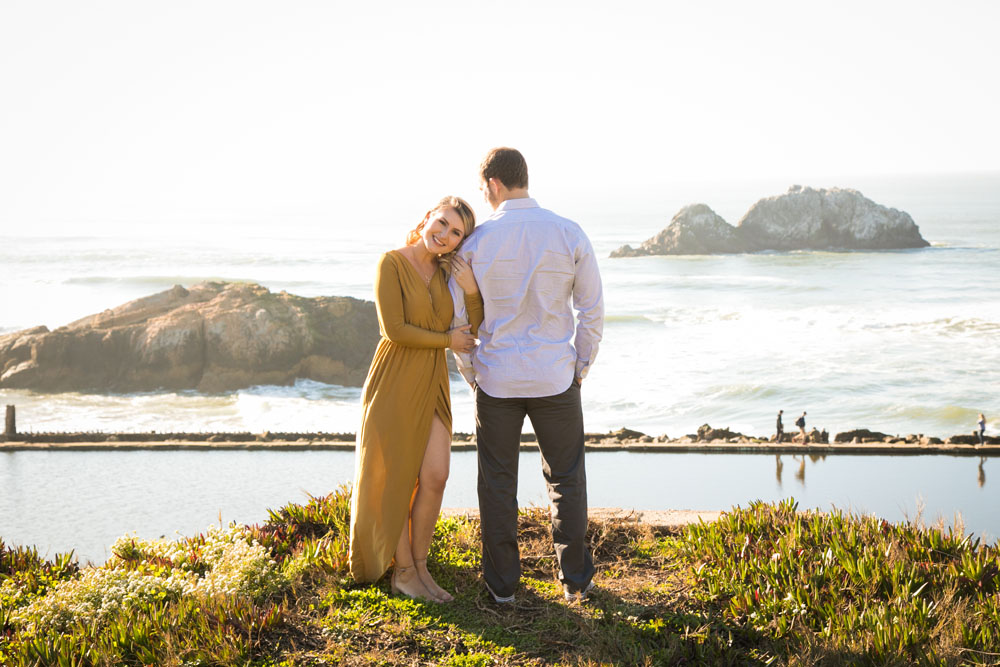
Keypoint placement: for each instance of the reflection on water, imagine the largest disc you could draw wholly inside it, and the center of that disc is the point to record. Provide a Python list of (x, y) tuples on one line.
[(800, 474), (85, 500)]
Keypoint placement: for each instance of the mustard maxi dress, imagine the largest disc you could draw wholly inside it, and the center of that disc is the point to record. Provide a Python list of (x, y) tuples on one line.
[(406, 385)]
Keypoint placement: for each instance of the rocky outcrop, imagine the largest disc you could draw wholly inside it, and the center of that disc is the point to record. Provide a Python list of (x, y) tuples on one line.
[(695, 230), (213, 337), (809, 219), (707, 434), (860, 435), (801, 219)]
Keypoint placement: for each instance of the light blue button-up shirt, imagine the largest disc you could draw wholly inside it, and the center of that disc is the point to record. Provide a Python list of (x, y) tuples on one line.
[(533, 269)]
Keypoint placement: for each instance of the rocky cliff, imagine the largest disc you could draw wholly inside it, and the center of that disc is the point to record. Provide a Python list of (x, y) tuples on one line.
[(213, 337), (801, 219)]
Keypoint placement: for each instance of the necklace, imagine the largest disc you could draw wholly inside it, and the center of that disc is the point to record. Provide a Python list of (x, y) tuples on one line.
[(420, 272)]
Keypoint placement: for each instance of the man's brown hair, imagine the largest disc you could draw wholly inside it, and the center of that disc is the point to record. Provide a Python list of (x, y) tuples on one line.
[(506, 165)]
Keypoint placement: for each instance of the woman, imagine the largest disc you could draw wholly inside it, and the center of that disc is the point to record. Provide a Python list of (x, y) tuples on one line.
[(404, 446)]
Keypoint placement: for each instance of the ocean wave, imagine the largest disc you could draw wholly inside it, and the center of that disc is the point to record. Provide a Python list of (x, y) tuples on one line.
[(963, 419), (947, 325), (625, 319), (169, 281), (949, 245), (742, 391), (726, 280), (303, 389)]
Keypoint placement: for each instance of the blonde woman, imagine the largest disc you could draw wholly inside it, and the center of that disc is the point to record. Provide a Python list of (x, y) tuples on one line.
[(404, 445)]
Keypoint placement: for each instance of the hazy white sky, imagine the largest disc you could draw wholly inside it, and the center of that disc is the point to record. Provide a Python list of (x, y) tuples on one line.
[(139, 111)]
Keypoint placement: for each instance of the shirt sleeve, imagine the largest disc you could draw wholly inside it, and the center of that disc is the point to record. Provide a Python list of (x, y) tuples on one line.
[(588, 300), (389, 305), (465, 315)]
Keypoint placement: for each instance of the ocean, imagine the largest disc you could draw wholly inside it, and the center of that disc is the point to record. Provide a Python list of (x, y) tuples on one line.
[(898, 341)]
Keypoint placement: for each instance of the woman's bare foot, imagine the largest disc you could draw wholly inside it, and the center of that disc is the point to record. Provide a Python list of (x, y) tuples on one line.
[(440, 594), (407, 581)]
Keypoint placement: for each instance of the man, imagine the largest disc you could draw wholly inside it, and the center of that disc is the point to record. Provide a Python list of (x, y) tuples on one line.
[(533, 269), (780, 426), (801, 423)]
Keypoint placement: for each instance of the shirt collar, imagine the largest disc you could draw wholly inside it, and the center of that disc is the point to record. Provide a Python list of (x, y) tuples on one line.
[(511, 204)]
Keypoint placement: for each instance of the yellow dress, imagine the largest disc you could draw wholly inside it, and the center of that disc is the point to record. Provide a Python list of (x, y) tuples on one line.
[(407, 383)]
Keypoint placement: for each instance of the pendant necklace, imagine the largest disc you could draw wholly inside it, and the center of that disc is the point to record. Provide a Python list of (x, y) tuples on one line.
[(426, 279)]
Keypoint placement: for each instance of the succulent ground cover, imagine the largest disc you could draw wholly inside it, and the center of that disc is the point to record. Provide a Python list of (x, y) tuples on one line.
[(765, 584)]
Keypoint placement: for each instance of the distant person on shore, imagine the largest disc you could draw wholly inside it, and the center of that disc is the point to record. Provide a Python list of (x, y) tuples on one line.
[(404, 446), (801, 423), (982, 429), (534, 269), (780, 426)]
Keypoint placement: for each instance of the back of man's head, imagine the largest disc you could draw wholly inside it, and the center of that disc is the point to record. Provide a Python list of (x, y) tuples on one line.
[(506, 165)]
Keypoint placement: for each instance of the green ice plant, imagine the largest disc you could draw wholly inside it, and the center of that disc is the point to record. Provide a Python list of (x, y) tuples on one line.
[(24, 576), (765, 584), (206, 599), (882, 590), (221, 562), (95, 595)]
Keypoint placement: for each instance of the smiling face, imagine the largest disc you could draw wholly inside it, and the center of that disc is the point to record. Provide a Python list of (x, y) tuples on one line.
[(443, 231)]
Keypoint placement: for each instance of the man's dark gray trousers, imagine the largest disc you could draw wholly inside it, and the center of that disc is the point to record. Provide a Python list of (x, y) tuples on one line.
[(558, 425)]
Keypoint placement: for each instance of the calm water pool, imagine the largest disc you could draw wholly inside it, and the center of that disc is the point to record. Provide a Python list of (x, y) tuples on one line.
[(85, 500)]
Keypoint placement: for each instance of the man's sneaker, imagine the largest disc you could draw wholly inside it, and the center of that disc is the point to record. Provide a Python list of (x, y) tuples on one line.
[(499, 599), (570, 595)]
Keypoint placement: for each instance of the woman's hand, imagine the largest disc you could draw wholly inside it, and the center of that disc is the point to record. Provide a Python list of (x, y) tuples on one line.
[(463, 275), (461, 339)]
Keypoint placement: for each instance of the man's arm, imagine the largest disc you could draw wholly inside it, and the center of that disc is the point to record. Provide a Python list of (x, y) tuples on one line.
[(588, 300)]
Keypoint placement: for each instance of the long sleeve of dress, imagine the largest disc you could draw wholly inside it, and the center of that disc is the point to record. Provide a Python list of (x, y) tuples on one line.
[(474, 311), (389, 305), (468, 310)]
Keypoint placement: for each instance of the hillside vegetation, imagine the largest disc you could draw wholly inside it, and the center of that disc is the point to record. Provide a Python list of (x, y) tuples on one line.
[(765, 584)]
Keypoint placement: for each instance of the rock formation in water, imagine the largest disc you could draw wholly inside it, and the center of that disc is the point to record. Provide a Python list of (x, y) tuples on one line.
[(801, 219), (213, 337), (695, 230)]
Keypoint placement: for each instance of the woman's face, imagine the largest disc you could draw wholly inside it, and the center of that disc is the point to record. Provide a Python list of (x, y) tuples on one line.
[(443, 232)]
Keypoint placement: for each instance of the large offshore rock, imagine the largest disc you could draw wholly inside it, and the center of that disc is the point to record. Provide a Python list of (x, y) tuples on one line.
[(809, 219), (801, 219), (214, 337), (695, 230)]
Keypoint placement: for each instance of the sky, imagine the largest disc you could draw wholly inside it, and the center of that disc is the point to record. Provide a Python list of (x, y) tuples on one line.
[(140, 112)]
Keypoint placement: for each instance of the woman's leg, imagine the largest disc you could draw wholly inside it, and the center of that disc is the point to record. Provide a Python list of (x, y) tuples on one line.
[(427, 503), (405, 578)]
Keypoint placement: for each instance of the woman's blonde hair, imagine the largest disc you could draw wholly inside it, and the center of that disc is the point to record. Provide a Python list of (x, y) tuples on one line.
[(468, 221)]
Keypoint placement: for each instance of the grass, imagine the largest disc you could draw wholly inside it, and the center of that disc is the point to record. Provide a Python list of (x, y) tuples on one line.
[(763, 585)]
